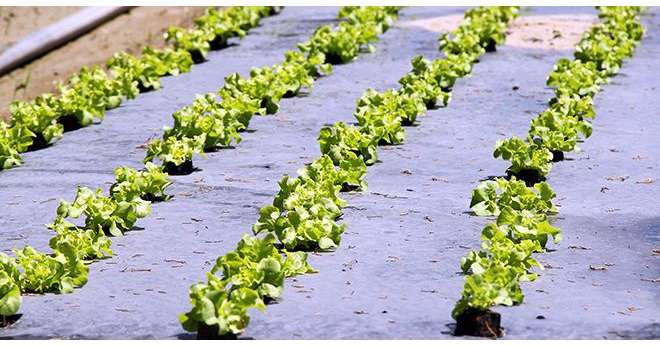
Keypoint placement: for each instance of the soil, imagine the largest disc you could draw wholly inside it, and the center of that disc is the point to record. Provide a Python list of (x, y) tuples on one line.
[(484, 324), (531, 31), (559, 32), (131, 31), (396, 273)]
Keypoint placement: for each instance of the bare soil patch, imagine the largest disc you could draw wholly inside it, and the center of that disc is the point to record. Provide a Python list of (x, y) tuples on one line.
[(544, 31), (131, 31), (555, 32)]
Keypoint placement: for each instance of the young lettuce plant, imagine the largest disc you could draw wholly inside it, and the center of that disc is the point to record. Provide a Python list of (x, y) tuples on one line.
[(489, 197), (175, 154), (377, 121), (404, 106), (606, 48), (448, 70), (195, 41), (263, 274), (240, 106), (350, 174), (623, 19), (222, 27), (10, 291), (128, 67), (86, 97), (41, 273), (12, 140), (573, 106), (442, 72), (264, 85), (496, 284), (318, 198), (249, 16), (419, 86), (205, 118), (489, 24), (148, 184), (87, 244), (466, 44), (313, 63), (256, 89), (292, 77), (168, 61), (558, 133), (361, 27), (101, 212), (258, 265), (299, 230), (303, 214), (481, 30), (530, 162), (499, 248), (343, 44), (381, 17), (519, 225), (217, 310), (39, 119), (339, 141), (572, 77)]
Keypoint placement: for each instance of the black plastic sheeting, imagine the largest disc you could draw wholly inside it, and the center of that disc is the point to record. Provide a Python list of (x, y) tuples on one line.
[(396, 273)]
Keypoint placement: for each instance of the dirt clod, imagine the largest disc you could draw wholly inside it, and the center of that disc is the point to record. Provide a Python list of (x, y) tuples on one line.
[(479, 323)]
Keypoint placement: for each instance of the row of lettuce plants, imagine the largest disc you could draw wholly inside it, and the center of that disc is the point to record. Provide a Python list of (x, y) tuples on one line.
[(522, 202)]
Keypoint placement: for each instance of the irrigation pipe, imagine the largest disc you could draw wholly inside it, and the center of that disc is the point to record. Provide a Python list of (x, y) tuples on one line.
[(57, 34)]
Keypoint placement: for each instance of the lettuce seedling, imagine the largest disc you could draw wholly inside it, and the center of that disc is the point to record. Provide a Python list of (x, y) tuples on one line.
[(41, 273), (101, 212), (173, 152), (258, 265), (148, 184), (87, 244), (303, 212), (127, 66), (499, 248), (529, 161), (573, 106), (12, 140), (10, 292), (405, 106), (519, 225), (572, 77), (340, 140), (195, 41), (313, 63), (496, 284), (489, 197), (205, 118), (381, 115), (558, 133), (166, 61), (349, 175), (37, 117), (220, 308), (220, 25)]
